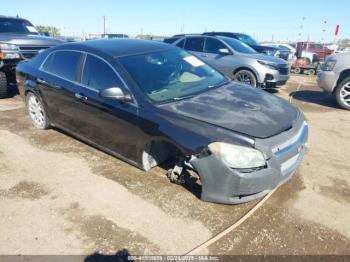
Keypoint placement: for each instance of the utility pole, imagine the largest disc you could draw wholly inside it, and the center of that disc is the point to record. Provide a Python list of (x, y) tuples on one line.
[(104, 25)]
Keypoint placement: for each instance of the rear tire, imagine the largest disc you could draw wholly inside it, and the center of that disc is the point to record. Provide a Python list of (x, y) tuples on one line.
[(342, 93), (3, 85), (246, 77), (36, 111)]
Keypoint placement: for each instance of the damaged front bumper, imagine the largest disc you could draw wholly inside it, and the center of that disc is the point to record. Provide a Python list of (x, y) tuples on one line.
[(223, 184)]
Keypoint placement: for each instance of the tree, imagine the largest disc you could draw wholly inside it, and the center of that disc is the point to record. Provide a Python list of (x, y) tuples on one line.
[(343, 42), (51, 30)]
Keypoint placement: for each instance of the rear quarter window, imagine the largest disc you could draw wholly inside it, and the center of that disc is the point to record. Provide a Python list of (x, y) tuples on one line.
[(64, 64)]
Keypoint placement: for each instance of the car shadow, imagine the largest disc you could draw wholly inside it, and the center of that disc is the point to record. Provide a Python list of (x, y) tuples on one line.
[(120, 256), (191, 183), (315, 97)]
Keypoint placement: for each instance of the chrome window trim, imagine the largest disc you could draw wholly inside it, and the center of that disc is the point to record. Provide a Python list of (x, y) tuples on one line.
[(134, 102)]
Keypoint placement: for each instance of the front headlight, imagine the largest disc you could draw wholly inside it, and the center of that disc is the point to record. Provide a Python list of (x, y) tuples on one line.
[(268, 64), (9, 51), (239, 157), (329, 65), (10, 47)]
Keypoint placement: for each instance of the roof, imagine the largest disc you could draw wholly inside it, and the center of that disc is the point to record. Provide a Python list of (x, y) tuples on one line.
[(12, 17), (231, 33), (120, 47)]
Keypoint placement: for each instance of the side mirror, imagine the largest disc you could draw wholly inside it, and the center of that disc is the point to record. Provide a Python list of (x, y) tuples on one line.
[(116, 93), (224, 51)]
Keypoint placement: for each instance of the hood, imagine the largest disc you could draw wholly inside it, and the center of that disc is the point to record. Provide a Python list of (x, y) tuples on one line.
[(267, 58), (239, 108), (262, 49), (33, 40)]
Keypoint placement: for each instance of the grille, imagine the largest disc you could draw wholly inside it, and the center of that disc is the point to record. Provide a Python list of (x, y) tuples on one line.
[(292, 142), (283, 70), (29, 52)]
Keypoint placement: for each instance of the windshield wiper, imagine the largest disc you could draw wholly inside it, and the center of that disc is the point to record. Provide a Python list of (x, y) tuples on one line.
[(159, 91), (218, 85), (181, 98)]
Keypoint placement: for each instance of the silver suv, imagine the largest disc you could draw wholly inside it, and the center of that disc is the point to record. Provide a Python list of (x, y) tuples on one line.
[(237, 60), (335, 78)]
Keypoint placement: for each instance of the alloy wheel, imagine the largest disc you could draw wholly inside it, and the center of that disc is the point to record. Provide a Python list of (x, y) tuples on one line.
[(345, 94), (244, 78), (36, 111)]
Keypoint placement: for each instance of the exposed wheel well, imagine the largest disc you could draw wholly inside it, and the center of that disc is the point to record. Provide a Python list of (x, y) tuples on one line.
[(342, 76), (26, 92), (158, 152)]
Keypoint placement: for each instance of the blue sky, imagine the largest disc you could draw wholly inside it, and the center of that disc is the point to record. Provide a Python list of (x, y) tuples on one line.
[(264, 20)]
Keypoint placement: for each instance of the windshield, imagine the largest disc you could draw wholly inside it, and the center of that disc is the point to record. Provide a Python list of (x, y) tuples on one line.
[(239, 46), (171, 75), (16, 26), (247, 39)]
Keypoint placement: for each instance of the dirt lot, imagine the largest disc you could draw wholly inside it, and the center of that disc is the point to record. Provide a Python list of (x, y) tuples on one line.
[(61, 196)]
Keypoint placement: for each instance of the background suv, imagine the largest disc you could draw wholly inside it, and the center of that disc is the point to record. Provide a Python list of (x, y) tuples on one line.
[(335, 78), (268, 50), (19, 40), (237, 60)]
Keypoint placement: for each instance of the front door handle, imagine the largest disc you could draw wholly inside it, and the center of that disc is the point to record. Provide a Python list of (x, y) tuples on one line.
[(81, 97), (204, 56), (41, 81)]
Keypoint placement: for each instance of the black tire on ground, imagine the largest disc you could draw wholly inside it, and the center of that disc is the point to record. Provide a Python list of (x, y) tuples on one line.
[(246, 76), (36, 111), (297, 70), (342, 93), (311, 71), (3, 85)]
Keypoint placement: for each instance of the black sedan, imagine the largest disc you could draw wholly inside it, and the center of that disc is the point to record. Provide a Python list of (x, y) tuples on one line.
[(146, 102)]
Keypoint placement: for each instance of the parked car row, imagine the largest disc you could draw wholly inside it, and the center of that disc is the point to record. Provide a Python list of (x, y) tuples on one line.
[(147, 102)]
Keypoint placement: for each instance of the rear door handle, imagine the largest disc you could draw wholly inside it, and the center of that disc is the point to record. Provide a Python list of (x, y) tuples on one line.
[(204, 56), (81, 97), (44, 82)]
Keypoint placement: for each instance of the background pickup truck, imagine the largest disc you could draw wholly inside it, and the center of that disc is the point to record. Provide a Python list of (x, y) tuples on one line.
[(19, 40)]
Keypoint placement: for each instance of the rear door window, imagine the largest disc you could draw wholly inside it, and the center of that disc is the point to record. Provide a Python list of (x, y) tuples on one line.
[(195, 44), (64, 64), (97, 74)]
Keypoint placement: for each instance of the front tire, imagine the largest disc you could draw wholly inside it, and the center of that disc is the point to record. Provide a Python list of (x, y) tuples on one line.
[(3, 85), (37, 111), (342, 93), (246, 77)]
